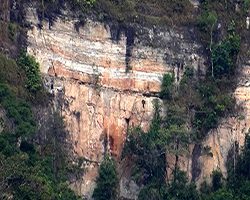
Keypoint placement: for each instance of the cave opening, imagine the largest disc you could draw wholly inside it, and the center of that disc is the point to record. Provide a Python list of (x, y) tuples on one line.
[(143, 103)]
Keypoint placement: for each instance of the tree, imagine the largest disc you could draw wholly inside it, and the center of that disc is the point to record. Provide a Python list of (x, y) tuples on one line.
[(216, 180), (180, 189), (106, 188), (167, 86), (207, 22), (224, 55), (222, 194)]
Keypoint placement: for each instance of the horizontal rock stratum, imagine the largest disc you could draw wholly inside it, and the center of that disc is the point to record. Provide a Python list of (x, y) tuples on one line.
[(102, 90)]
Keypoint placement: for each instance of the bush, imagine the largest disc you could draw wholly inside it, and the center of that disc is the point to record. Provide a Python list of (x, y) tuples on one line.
[(222, 194), (224, 56), (12, 75), (25, 173), (167, 86), (17, 110), (207, 21), (31, 68), (152, 192)]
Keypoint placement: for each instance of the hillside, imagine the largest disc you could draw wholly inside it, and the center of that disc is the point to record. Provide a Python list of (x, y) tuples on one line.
[(111, 99)]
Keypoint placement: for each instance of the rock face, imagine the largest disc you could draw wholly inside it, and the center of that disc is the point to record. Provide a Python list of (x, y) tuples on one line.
[(230, 133), (104, 85)]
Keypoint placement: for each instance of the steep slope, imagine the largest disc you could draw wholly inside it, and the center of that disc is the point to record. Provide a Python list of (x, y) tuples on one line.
[(101, 98), (104, 77)]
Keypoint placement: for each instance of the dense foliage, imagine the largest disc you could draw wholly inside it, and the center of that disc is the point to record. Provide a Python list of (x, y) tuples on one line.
[(25, 173), (225, 54), (31, 68)]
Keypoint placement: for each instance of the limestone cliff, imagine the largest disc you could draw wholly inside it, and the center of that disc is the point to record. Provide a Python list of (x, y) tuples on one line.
[(105, 84)]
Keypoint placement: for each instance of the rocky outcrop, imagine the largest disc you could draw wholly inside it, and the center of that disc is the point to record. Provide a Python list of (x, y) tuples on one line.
[(230, 134), (220, 143), (105, 82), (104, 92)]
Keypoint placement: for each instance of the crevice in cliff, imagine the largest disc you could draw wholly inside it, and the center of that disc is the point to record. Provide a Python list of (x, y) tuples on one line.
[(127, 91), (130, 34), (116, 31)]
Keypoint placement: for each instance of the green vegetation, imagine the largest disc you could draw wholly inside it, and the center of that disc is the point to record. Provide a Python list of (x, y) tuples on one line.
[(31, 68), (11, 37), (149, 12), (107, 181), (225, 54), (215, 92), (194, 107), (146, 12), (12, 30), (206, 101), (207, 21), (178, 189), (246, 5), (148, 150), (26, 173), (167, 86), (11, 75), (216, 180), (18, 111), (49, 9)]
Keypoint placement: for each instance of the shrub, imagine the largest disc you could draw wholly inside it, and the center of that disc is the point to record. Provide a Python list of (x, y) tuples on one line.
[(167, 86), (207, 21), (216, 180), (31, 68), (17, 110), (224, 56)]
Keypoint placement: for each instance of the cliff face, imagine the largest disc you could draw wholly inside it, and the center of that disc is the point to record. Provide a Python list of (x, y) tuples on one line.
[(105, 80), (230, 133)]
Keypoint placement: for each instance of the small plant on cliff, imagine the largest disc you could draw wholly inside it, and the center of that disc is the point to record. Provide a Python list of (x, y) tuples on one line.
[(167, 86), (96, 78), (206, 23), (106, 188)]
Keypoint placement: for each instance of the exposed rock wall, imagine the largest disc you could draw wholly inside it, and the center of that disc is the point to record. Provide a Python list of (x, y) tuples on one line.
[(102, 89), (230, 133), (214, 152)]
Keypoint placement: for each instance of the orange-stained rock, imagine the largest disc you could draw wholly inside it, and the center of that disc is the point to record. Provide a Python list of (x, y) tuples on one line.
[(101, 99)]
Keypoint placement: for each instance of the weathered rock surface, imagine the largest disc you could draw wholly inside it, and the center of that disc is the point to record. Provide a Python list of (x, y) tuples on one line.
[(2, 120), (103, 92), (230, 133)]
